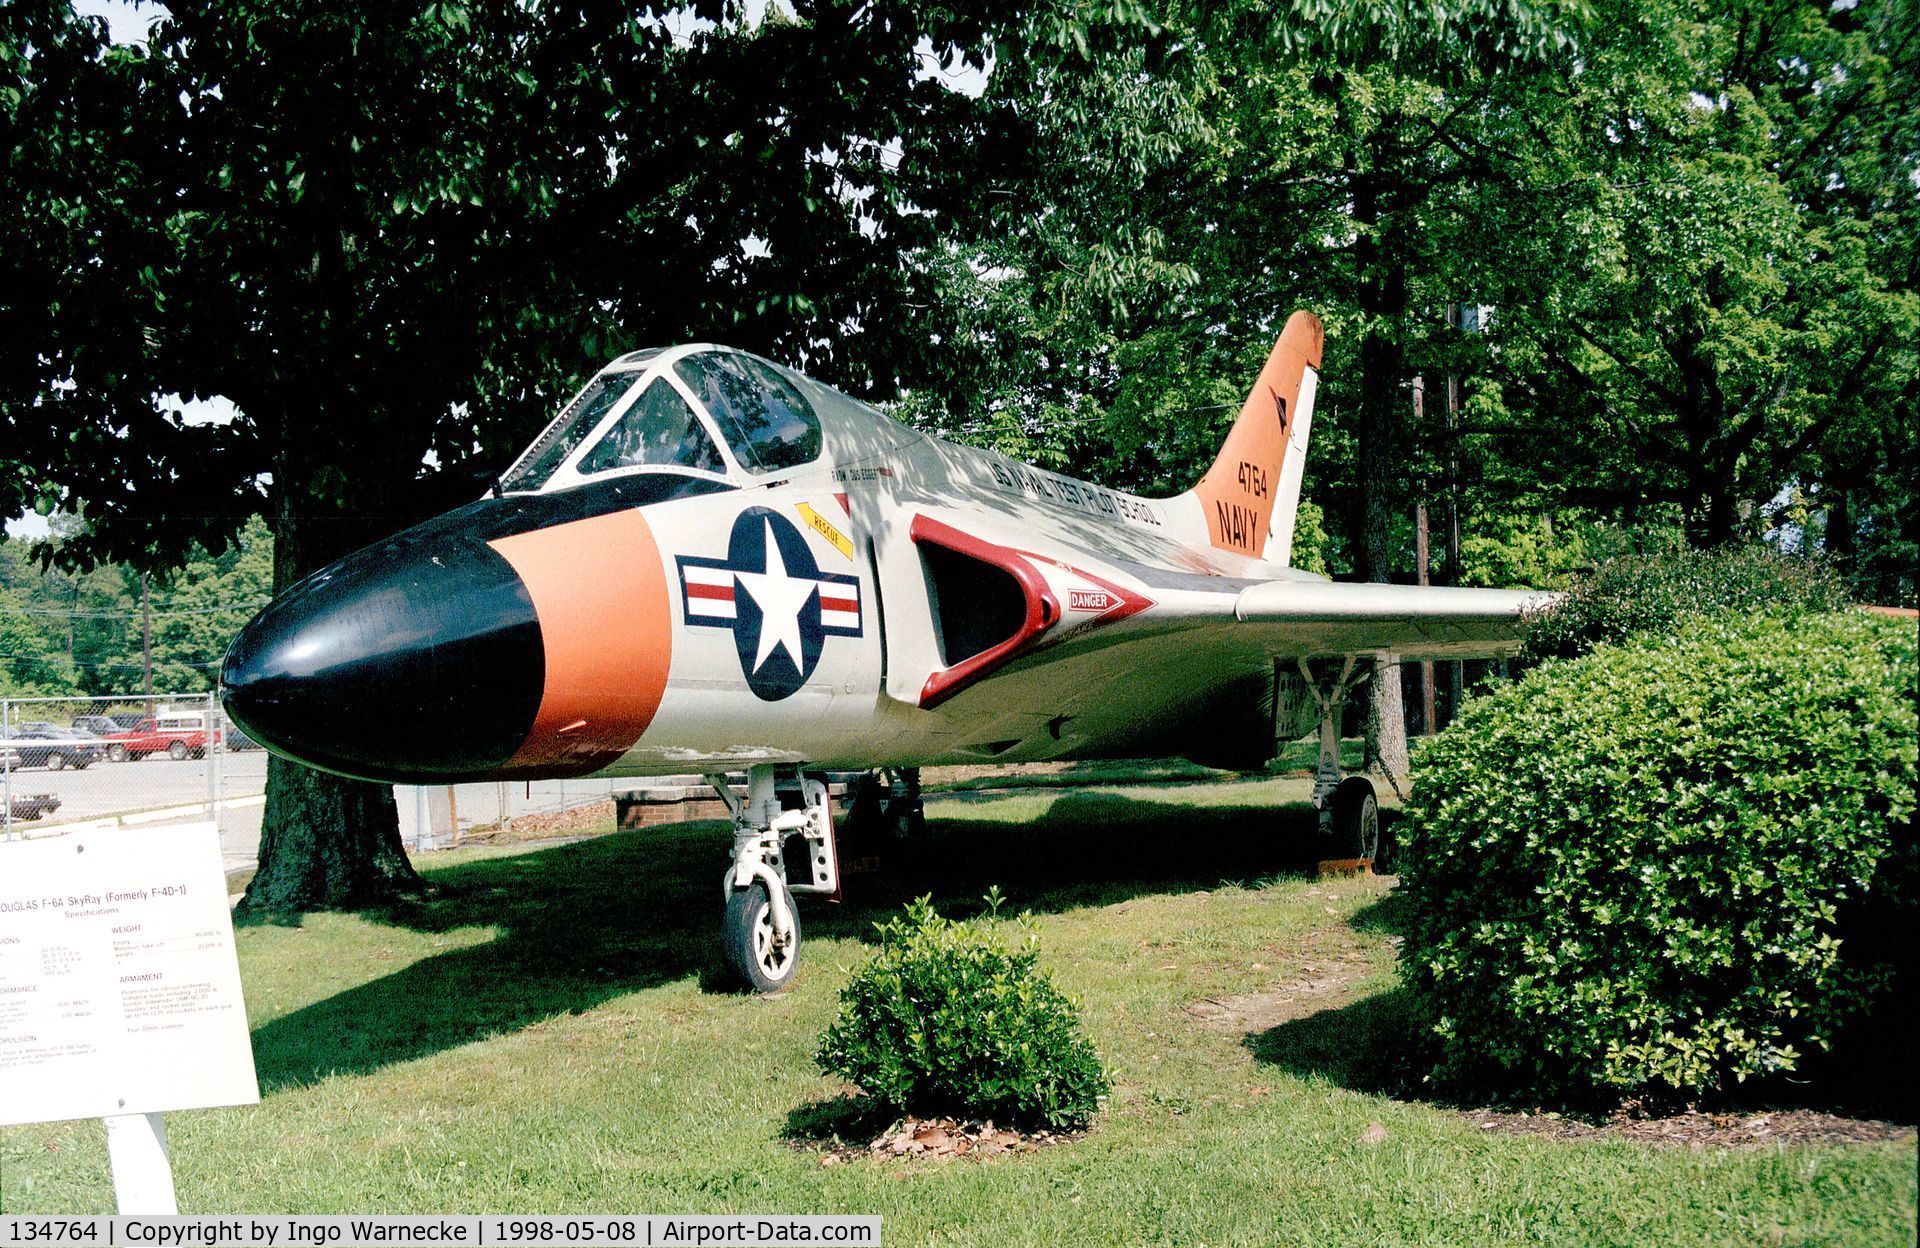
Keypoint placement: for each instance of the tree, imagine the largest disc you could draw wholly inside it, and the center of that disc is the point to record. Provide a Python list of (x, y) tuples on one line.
[(393, 235), (1707, 258), (71, 632), (1187, 193)]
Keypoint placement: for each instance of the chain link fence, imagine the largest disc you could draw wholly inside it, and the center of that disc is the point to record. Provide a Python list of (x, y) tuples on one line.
[(68, 764)]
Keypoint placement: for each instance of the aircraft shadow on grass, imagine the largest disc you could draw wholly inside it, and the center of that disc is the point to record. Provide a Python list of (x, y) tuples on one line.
[(580, 924)]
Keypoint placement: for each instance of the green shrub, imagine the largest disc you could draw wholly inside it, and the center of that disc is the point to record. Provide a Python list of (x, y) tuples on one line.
[(1628, 873), (1657, 593), (948, 1019)]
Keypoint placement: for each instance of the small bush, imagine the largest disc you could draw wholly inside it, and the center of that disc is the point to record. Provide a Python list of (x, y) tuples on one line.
[(948, 1019), (1630, 873), (1657, 593)]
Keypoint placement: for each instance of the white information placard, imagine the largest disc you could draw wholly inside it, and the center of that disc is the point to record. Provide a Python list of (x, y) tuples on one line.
[(119, 988)]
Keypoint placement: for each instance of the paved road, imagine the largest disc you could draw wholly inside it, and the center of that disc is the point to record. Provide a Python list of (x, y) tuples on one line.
[(150, 792), (109, 788), (158, 790)]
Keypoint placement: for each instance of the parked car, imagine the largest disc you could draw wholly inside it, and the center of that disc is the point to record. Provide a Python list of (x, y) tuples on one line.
[(48, 745), (176, 736), (34, 805), (98, 725)]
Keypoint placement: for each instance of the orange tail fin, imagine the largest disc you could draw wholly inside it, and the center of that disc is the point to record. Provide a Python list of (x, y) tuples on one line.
[(1253, 488)]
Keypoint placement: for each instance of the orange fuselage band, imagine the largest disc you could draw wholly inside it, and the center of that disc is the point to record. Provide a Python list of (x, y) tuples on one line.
[(599, 590)]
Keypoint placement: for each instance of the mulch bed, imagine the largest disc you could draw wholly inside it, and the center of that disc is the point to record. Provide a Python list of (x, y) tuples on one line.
[(1699, 1129), (933, 1139), (596, 817)]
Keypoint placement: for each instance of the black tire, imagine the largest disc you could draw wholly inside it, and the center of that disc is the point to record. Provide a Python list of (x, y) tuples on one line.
[(56, 762), (177, 751), (1356, 823), (117, 753), (747, 937)]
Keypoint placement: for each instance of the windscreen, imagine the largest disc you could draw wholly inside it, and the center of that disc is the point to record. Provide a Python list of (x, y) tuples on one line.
[(767, 423), (532, 469), (659, 429)]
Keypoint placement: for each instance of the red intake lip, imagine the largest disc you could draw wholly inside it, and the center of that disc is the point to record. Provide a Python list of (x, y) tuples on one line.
[(1042, 611)]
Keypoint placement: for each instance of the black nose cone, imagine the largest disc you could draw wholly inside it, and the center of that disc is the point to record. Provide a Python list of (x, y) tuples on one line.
[(416, 660)]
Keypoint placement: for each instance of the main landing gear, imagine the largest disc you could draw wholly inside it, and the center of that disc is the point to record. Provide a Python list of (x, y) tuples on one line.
[(782, 845), (1349, 808), (884, 809)]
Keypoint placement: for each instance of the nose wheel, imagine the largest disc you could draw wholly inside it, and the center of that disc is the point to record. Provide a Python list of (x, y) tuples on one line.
[(782, 845), (764, 957)]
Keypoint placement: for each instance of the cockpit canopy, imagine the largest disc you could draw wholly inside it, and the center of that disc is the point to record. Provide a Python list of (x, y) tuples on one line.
[(673, 411)]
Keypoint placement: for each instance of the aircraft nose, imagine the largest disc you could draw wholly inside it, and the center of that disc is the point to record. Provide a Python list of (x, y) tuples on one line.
[(410, 661)]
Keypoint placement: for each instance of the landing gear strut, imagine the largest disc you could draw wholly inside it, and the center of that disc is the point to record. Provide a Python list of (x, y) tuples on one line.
[(782, 845), (885, 810), (1349, 808)]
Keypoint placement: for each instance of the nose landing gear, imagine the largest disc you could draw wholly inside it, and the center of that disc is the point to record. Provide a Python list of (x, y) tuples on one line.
[(782, 845)]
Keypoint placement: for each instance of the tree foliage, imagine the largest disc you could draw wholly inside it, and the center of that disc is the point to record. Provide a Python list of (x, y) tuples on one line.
[(1706, 258), (393, 235), (1691, 225), (73, 632)]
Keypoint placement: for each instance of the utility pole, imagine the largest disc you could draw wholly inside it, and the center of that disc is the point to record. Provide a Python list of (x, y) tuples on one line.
[(146, 641)]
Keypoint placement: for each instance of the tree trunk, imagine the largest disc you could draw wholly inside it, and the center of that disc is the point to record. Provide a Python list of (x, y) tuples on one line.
[(1382, 297), (1720, 514), (1839, 541), (326, 842), (1386, 752)]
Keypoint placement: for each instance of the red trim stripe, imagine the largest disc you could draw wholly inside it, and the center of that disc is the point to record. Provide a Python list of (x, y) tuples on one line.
[(722, 592)]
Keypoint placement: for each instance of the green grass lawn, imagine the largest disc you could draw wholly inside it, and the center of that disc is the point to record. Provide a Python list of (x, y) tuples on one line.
[(550, 1033)]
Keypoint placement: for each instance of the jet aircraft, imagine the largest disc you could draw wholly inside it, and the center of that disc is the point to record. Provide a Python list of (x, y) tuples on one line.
[(709, 562)]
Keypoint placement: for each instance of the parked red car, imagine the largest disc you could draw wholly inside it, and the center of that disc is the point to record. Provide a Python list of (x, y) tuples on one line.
[(176, 736)]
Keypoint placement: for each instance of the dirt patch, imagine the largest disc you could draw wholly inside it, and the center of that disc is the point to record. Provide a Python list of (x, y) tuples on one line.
[(1323, 984), (1327, 966), (1699, 1129)]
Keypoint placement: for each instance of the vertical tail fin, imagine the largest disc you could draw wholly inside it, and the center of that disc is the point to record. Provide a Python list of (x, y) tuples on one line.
[(1253, 489)]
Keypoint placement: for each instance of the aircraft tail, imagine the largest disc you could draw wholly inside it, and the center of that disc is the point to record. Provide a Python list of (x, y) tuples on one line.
[(1250, 494)]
